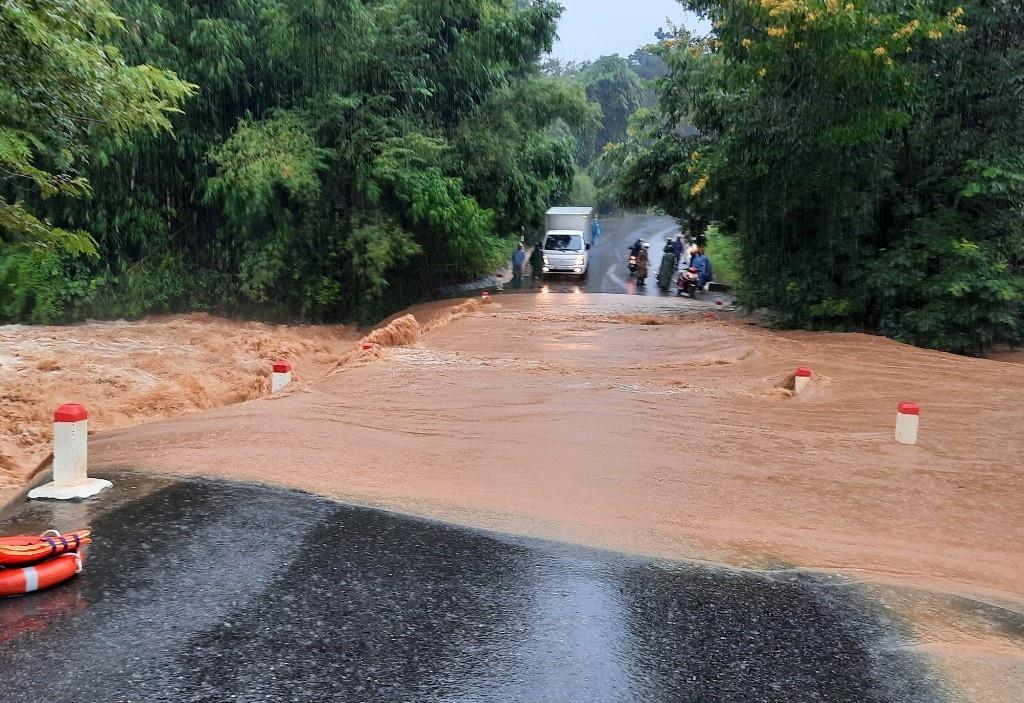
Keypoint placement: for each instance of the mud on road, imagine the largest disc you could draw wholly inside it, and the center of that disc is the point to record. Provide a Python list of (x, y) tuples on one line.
[(128, 373), (634, 424)]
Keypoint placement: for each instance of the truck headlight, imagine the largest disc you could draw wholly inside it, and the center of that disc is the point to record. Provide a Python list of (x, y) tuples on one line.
[(580, 260), (546, 262)]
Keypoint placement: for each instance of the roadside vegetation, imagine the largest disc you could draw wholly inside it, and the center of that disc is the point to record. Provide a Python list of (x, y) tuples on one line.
[(869, 156), (724, 251), (276, 158)]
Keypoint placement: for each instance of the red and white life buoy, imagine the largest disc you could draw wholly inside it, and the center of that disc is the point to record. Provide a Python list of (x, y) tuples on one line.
[(21, 550), (16, 582)]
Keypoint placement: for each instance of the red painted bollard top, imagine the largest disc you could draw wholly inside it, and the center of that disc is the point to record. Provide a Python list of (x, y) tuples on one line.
[(909, 409), (804, 372), (282, 366), (70, 412)]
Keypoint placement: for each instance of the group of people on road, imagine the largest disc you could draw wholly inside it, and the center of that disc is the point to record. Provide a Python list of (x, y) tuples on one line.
[(536, 258), (675, 256), (519, 260)]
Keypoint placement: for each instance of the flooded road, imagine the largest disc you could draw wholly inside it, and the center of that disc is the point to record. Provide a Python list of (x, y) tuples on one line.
[(644, 424), (203, 591)]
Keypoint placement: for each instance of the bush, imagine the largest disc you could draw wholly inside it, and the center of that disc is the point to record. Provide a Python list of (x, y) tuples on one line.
[(724, 251)]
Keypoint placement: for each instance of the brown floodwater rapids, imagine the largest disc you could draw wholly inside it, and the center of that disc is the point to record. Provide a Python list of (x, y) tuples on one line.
[(127, 373), (636, 424)]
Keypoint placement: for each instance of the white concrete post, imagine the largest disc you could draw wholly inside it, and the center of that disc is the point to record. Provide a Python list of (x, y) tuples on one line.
[(70, 457), (907, 419), (802, 379), (282, 375), (486, 297)]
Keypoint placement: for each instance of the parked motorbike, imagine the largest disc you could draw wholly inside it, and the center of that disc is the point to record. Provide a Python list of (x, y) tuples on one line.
[(686, 283)]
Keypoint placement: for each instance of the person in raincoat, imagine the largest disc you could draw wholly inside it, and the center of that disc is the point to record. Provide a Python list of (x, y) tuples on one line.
[(518, 261), (702, 263), (642, 261), (669, 263), (537, 263)]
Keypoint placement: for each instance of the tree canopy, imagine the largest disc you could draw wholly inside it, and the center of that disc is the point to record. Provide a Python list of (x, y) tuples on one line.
[(337, 159), (61, 88), (868, 156)]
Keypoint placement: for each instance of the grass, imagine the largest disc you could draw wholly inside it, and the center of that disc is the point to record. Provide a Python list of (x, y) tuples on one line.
[(724, 252)]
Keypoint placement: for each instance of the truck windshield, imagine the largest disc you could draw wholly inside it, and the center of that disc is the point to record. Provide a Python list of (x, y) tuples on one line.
[(564, 242)]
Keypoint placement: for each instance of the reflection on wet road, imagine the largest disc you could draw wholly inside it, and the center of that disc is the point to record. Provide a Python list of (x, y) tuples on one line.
[(203, 591), (609, 272)]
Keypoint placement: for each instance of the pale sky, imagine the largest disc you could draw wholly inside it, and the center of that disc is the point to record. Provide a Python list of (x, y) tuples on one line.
[(593, 28)]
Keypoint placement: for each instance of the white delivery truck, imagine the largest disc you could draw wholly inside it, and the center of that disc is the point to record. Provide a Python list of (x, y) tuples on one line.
[(567, 240)]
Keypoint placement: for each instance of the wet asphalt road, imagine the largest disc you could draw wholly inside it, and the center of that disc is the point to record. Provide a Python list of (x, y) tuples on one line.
[(609, 270), (204, 591)]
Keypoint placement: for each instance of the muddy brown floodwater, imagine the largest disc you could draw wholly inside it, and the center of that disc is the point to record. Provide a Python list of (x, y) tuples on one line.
[(639, 424), (127, 373)]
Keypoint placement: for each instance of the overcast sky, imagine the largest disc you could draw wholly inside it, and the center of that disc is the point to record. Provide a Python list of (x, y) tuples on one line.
[(593, 28)]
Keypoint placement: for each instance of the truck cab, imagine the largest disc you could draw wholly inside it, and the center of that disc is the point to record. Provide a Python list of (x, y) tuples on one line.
[(566, 251), (567, 240)]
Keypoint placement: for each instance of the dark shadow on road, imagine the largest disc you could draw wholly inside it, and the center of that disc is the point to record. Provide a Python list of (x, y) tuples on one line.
[(207, 591)]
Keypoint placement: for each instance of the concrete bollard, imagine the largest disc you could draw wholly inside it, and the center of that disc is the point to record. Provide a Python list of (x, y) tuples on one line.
[(70, 457), (282, 375), (367, 346), (486, 297), (802, 379), (908, 416)]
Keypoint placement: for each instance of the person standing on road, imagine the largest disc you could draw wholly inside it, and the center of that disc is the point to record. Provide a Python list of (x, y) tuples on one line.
[(678, 246), (518, 261), (595, 230), (537, 263), (642, 261), (669, 263)]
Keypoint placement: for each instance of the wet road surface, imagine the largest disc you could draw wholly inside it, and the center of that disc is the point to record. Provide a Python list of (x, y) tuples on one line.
[(207, 591), (609, 271)]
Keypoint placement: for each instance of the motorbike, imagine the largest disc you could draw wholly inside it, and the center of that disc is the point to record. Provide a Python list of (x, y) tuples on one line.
[(632, 264), (686, 283)]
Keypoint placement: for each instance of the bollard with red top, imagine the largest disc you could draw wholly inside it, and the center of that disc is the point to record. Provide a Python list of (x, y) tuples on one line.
[(70, 457), (486, 297), (802, 379), (908, 416), (282, 375), (367, 346)]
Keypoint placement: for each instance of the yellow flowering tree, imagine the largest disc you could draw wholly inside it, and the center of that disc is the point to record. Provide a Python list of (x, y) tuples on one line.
[(869, 155)]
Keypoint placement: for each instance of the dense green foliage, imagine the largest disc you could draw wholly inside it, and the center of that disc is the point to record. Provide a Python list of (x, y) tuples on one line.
[(724, 250), (870, 155), (616, 88), (61, 90), (340, 157)]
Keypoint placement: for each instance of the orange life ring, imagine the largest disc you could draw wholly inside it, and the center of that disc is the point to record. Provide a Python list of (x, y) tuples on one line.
[(16, 582), (26, 549)]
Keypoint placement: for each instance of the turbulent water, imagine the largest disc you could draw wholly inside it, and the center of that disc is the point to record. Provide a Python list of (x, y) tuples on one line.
[(127, 373), (638, 424)]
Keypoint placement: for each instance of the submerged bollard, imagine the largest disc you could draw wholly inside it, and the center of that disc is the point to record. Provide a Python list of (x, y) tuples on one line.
[(802, 379), (282, 375), (486, 297), (907, 420), (367, 346), (70, 457)]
